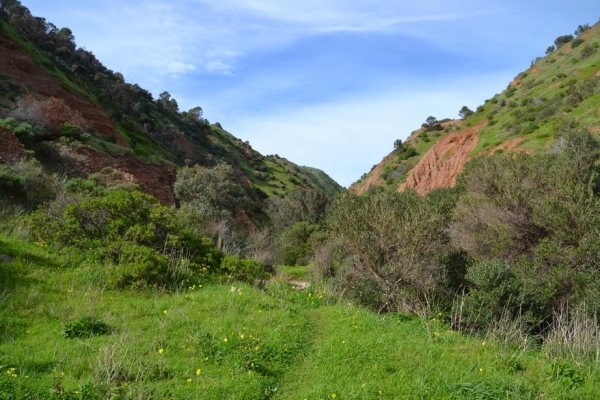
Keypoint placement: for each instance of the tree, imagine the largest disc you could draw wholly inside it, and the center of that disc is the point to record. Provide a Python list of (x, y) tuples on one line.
[(431, 121), (210, 189), (398, 145), (564, 39), (465, 112), (298, 206), (195, 114), (550, 49), (167, 104), (581, 29)]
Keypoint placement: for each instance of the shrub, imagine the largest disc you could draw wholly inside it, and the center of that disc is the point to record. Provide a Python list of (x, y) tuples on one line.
[(577, 42), (239, 269), (128, 228), (24, 183), (393, 240), (85, 326), (561, 40)]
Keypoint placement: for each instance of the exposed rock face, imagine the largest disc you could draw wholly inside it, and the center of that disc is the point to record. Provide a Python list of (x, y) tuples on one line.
[(443, 162), (373, 178), (11, 150), (157, 180), (17, 65)]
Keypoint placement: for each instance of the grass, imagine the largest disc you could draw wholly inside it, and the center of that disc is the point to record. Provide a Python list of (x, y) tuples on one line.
[(214, 342), (294, 272)]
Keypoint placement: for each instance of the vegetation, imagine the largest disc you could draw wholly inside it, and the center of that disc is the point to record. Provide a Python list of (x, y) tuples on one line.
[(485, 290)]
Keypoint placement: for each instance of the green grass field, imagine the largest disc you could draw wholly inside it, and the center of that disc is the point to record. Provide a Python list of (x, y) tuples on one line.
[(240, 342)]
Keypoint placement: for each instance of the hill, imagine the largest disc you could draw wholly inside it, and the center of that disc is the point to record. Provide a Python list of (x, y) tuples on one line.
[(86, 118), (560, 91)]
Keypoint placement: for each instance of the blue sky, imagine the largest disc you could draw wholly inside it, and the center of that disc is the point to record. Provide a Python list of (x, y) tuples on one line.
[(325, 83)]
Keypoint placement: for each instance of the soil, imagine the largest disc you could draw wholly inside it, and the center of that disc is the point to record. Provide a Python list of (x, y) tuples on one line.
[(11, 150), (373, 178), (432, 172), (16, 64), (157, 180)]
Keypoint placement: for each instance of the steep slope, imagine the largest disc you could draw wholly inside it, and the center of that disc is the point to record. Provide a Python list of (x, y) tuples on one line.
[(557, 93), (46, 81)]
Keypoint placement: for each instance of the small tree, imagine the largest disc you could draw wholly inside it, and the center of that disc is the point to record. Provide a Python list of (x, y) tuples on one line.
[(465, 112), (398, 145), (195, 114), (431, 121), (564, 39), (581, 29), (550, 49)]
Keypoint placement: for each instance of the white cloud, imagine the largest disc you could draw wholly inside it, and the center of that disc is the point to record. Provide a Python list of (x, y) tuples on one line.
[(347, 137), (180, 68)]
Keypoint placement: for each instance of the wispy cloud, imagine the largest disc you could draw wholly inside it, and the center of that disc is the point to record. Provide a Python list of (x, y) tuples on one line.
[(346, 137), (328, 83)]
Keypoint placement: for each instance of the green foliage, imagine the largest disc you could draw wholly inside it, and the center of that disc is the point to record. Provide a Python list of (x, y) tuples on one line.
[(561, 40), (465, 112), (577, 42), (300, 205), (297, 243), (70, 131), (392, 241), (85, 326), (524, 219), (564, 373), (26, 184), (581, 29), (213, 193), (243, 270), (128, 228)]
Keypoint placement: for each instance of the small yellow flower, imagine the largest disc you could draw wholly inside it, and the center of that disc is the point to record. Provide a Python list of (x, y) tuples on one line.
[(480, 369), (484, 343), (189, 379), (242, 336), (333, 395), (161, 351), (198, 371), (225, 340), (164, 311)]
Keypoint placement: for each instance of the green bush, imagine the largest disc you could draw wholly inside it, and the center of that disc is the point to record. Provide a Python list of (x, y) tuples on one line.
[(244, 270), (577, 42), (85, 326), (25, 184), (131, 230)]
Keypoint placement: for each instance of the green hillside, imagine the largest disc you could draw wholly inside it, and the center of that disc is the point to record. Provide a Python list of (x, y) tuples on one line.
[(560, 91), (152, 130)]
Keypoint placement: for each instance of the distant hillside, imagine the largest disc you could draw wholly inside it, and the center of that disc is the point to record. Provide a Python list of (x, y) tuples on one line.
[(50, 83), (559, 92)]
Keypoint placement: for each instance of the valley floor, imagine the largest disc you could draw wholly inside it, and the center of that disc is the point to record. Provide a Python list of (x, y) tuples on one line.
[(224, 342)]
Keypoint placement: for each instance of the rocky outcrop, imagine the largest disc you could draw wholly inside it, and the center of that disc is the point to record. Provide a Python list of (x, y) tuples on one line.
[(373, 178), (157, 180), (11, 150), (20, 67), (440, 166)]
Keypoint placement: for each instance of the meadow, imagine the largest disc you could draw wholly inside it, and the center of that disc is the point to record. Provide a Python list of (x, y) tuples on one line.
[(236, 341)]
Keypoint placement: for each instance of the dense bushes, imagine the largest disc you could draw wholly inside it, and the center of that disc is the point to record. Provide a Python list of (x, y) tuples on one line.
[(531, 224), (25, 184), (128, 229), (393, 243)]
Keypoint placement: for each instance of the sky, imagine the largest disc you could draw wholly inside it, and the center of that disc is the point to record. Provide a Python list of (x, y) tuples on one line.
[(329, 84)]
